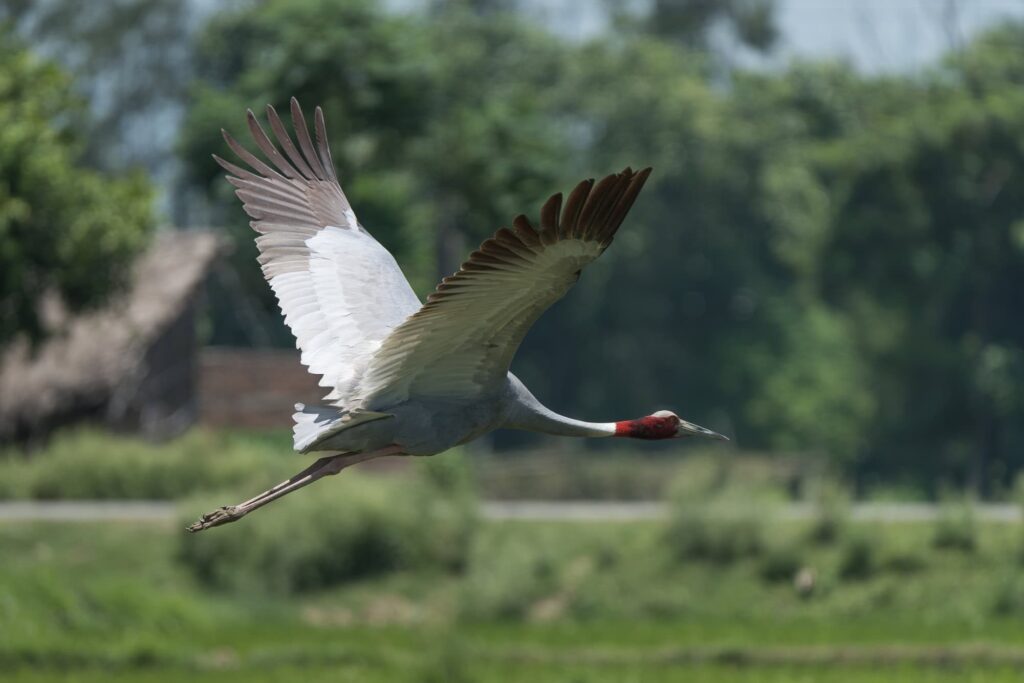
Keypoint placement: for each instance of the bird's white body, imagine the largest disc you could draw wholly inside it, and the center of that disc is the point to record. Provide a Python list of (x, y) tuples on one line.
[(417, 427), (406, 377), (428, 427)]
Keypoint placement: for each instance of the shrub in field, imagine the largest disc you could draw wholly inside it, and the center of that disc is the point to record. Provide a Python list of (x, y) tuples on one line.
[(566, 474), (904, 561), (90, 464), (12, 478), (721, 533), (713, 475), (1018, 490), (716, 513), (780, 564), (1018, 497), (956, 529), (607, 557), (445, 662), (445, 493), (553, 570), (510, 585), (1008, 596), (341, 529), (831, 513), (859, 559), (700, 478)]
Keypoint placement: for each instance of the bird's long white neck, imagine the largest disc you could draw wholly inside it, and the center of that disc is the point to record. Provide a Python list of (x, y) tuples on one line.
[(527, 413), (550, 422)]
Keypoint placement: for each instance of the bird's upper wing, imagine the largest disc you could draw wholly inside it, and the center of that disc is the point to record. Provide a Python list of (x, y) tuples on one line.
[(341, 292), (461, 342)]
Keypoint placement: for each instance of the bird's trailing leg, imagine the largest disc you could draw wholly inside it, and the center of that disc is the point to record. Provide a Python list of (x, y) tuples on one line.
[(321, 468)]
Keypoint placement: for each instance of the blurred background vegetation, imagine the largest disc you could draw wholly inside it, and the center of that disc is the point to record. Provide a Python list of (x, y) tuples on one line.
[(827, 265)]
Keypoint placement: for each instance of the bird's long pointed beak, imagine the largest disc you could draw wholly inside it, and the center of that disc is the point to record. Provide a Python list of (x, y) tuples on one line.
[(697, 430)]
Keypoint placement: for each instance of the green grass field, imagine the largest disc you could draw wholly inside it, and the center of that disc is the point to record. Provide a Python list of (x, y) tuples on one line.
[(395, 578), (538, 602)]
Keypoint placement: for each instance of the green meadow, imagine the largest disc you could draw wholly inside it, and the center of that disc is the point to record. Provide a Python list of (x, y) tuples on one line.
[(90, 602), (397, 578)]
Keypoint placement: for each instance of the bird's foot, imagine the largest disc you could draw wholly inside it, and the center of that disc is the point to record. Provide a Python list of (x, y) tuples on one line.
[(222, 515)]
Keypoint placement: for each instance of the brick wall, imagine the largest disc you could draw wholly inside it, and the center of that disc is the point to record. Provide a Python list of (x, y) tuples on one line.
[(253, 388)]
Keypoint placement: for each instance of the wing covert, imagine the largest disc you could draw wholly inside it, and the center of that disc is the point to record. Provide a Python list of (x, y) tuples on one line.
[(461, 342)]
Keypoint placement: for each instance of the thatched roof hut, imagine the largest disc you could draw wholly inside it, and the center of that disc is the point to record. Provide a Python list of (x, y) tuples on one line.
[(130, 364)]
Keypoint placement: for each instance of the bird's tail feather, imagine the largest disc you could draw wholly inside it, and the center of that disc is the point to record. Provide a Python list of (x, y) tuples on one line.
[(313, 424), (310, 422)]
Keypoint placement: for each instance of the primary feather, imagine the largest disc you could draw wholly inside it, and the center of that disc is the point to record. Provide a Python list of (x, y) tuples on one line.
[(340, 291)]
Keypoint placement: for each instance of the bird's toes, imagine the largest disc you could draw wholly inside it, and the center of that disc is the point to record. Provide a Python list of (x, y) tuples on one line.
[(222, 515)]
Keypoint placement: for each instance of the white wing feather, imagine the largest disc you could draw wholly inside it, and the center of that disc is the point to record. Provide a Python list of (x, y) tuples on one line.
[(341, 292)]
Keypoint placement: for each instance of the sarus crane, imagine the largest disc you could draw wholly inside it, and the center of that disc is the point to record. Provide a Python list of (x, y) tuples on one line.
[(405, 377)]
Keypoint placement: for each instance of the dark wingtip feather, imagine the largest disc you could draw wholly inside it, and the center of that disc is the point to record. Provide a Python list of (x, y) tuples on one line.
[(226, 165), (248, 157), (549, 217), (600, 197), (285, 140), (594, 211), (305, 141), (609, 220), (323, 147), (573, 205), (525, 231), (624, 203), (264, 143)]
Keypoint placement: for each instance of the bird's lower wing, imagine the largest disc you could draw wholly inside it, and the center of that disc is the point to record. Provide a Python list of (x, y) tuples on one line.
[(461, 342), (341, 292)]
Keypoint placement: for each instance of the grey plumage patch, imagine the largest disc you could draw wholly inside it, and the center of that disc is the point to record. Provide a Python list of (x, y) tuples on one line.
[(315, 424)]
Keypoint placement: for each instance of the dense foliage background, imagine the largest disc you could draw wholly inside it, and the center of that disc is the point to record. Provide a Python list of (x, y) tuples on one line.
[(65, 229), (824, 263)]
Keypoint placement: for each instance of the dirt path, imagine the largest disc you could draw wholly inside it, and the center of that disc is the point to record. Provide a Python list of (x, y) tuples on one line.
[(569, 511)]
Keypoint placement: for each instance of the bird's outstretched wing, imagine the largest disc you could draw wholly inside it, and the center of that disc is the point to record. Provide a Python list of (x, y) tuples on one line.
[(461, 342), (341, 292)]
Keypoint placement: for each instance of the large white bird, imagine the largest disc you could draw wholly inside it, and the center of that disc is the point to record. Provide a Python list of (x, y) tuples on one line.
[(405, 377)]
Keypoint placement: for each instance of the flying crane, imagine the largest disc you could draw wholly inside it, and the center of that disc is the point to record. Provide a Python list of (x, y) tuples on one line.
[(405, 377)]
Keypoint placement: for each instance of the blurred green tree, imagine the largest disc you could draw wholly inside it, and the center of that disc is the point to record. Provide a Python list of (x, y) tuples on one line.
[(64, 229), (693, 22), (892, 207), (925, 257), (130, 61)]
